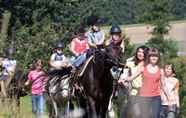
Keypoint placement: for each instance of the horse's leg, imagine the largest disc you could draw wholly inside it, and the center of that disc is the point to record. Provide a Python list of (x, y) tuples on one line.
[(3, 88), (50, 108), (98, 110), (104, 107), (51, 111), (69, 107), (55, 107), (111, 113), (82, 104), (10, 77), (92, 109)]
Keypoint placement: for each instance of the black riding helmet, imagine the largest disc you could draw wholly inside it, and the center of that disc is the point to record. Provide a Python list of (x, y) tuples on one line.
[(80, 30), (115, 29), (59, 45), (94, 20)]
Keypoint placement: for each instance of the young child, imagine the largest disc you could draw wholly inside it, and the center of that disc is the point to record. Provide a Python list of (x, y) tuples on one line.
[(37, 78), (58, 61), (96, 36), (79, 46), (169, 93)]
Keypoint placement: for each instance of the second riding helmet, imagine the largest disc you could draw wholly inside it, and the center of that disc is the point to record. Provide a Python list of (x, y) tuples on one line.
[(59, 45), (115, 29)]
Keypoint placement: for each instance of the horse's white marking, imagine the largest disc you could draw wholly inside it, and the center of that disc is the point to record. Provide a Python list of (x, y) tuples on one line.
[(55, 107), (111, 112), (56, 88)]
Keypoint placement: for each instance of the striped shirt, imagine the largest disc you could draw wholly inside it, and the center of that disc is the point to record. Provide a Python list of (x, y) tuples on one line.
[(38, 79)]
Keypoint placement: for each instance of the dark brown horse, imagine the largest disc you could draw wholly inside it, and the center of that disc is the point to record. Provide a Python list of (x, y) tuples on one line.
[(97, 82)]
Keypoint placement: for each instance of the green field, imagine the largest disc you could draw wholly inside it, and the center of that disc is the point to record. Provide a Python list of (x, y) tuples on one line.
[(9, 109)]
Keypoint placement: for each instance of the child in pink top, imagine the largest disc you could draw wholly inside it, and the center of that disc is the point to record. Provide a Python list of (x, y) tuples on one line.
[(79, 46), (37, 77)]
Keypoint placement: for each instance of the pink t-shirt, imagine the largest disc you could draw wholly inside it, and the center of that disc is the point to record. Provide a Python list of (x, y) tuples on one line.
[(38, 78)]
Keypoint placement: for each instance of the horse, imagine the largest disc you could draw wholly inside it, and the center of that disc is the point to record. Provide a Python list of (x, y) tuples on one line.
[(16, 90), (97, 82), (58, 99)]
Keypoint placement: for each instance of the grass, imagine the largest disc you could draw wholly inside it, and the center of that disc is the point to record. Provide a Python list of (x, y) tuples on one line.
[(26, 105), (9, 109)]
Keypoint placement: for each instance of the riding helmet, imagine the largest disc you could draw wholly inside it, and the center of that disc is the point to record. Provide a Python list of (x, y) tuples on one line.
[(95, 20), (115, 29), (59, 45)]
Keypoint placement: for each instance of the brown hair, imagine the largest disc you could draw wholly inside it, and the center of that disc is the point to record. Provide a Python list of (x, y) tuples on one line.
[(38, 62), (153, 52), (145, 52), (172, 67)]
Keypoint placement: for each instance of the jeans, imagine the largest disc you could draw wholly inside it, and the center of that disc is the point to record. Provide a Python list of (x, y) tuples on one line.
[(156, 106), (166, 112), (79, 60), (144, 107), (38, 104)]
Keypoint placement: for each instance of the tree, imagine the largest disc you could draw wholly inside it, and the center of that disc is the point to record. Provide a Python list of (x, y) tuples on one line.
[(4, 30), (178, 8), (157, 13)]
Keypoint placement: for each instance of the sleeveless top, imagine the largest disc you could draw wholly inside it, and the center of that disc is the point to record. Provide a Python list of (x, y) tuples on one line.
[(137, 82), (171, 88), (150, 83), (79, 46)]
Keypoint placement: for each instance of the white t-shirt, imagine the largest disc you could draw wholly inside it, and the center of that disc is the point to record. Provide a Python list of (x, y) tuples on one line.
[(9, 65)]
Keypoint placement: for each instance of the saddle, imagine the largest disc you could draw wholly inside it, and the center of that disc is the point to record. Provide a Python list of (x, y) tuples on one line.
[(82, 68)]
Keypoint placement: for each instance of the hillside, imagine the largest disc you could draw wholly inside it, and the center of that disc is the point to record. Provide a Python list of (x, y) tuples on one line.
[(140, 33)]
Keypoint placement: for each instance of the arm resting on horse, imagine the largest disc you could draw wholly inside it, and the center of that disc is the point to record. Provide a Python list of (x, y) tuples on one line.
[(133, 76)]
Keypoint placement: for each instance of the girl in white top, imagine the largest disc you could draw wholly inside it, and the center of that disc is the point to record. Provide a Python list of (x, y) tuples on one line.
[(169, 93)]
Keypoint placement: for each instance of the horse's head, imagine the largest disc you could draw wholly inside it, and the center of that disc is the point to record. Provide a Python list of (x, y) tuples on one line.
[(106, 58), (113, 54)]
